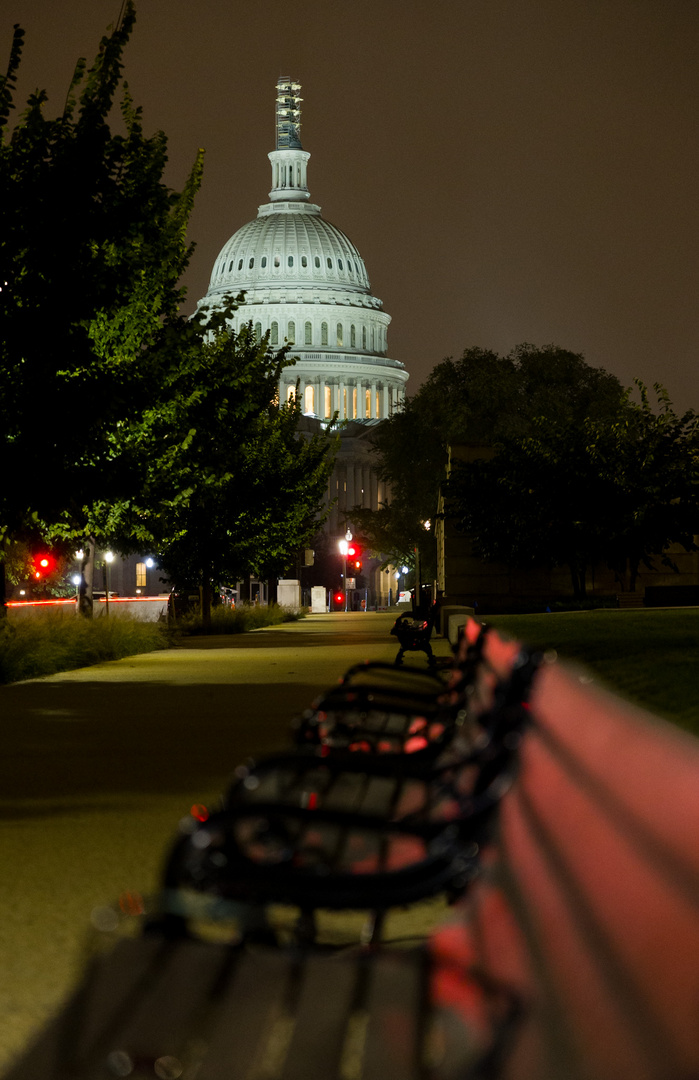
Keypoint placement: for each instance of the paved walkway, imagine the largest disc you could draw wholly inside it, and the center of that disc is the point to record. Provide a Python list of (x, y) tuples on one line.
[(99, 764)]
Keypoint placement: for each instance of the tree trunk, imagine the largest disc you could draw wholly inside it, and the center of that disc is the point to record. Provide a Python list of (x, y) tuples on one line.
[(272, 591), (206, 604), (87, 574), (3, 590)]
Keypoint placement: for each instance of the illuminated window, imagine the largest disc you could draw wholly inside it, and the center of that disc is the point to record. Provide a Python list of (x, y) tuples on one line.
[(275, 333), (251, 264), (378, 401), (291, 333), (258, 331), (140, 575), (264, 261), (364, 337), (317, 262), (339, 333), (353, 336), (367, 403), (308, 399), (324, 333), (354, 403), (290, 260), (304, 261), (328, 401), (308, 334), (290, 393)]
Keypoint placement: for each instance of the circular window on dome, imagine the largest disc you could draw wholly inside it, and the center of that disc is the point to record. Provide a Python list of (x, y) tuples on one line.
[(263, 263), (317, 262), (251, 264), (304, 261), (339, 264), (330, 263), (290, 260)]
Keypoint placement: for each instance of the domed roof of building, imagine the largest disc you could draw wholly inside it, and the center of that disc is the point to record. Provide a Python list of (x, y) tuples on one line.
[(289, 244)]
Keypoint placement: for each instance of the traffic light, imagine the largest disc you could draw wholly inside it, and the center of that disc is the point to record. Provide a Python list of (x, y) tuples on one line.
[(44, 565), (353, 551), (339, 599), (358, 564)]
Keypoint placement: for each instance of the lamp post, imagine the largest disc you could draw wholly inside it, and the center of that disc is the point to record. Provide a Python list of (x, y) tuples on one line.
[(343, 546), (76, 579), (108, 560)]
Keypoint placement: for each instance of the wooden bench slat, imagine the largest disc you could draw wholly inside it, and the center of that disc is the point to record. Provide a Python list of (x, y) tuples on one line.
[(324, 1008)]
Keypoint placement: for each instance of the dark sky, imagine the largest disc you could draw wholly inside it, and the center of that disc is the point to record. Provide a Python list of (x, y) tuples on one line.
[(510, 170)]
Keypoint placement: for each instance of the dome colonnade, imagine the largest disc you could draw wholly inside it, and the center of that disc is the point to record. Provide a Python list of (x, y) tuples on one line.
[(305, 283)]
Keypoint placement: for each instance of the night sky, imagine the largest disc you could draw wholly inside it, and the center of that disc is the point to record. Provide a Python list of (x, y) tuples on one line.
[(510, 170)]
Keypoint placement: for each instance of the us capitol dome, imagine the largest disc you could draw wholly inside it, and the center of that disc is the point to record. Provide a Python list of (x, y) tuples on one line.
[(306, 284)]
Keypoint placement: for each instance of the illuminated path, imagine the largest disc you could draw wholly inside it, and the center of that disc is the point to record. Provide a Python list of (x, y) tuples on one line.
[(98, 765)]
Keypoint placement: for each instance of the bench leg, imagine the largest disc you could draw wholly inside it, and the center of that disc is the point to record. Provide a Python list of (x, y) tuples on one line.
[(399, 657)]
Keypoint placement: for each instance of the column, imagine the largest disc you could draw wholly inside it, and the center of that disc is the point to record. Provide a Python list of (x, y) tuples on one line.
[(372, 402), (350, 498), (341, 399), (385, 407), (319, 397)]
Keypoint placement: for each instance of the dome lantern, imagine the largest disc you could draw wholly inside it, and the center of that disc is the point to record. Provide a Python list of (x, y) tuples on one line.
[(289, 160)]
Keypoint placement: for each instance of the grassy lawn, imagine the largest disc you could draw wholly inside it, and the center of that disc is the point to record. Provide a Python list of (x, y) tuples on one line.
[(647, 656)]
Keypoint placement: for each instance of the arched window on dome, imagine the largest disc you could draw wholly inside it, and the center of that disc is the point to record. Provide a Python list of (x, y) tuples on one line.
[(317, 262), (291, 333), (308, 399), (290, 392), (339, 264), (263, 263), (339, 333), (330, 263), (258, 331), (304, 261), (277, 261), (324, 333), (364, 337), (274, 338), (353, 336), (251, 264), (290, 260), (308, 334)]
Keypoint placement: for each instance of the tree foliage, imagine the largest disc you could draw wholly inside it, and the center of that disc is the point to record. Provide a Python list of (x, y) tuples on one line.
[(619, 490), (92, 250), (479, 399)]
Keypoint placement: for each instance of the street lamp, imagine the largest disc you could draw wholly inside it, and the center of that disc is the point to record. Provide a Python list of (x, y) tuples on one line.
[(76, 579), (344, 548), (108, 560)]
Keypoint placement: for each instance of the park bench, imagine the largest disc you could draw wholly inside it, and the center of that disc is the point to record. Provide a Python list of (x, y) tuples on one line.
[(571, 953), (414, 632)]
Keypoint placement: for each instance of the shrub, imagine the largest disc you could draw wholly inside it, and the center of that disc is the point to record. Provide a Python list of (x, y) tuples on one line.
[(225, 620)]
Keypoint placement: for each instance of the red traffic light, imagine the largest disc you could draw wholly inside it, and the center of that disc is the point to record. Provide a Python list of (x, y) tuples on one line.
[(339, 597), (44, 564)]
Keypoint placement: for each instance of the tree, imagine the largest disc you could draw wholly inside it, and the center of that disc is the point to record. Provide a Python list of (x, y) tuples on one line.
[(480, 399), (619, 490), (92, 251), (226, 486)]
